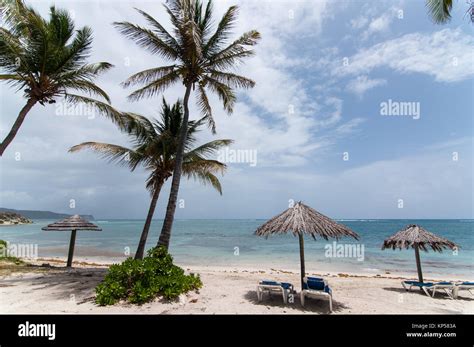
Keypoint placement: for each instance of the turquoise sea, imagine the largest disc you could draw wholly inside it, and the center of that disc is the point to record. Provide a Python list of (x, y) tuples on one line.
[(230, 243)]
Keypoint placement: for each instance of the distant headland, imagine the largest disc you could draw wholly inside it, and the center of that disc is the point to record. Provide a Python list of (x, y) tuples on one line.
[(33, 214)]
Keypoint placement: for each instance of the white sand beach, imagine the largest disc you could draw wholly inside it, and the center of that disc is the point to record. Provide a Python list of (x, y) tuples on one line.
[(54, 289)]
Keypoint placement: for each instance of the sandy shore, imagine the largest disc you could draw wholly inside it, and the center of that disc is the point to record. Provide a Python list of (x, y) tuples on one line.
[(54, 289)]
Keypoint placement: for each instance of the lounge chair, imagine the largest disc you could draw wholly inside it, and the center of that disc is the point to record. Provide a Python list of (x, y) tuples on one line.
[(422, 285), (316, 287), (463, 286), (274, 287), (448, 287)]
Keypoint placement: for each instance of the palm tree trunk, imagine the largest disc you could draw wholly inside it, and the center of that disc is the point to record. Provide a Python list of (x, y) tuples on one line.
[(165, 235), (154, 199), (16, 126)]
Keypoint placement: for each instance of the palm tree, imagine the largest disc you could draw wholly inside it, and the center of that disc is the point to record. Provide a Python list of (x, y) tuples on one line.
[(440, 10), (154, 147), (46, 59), (200, 57)]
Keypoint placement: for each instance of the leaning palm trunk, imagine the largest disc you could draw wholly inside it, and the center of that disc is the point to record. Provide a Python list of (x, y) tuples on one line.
[(165, 235), (16, 126), (146, 228)]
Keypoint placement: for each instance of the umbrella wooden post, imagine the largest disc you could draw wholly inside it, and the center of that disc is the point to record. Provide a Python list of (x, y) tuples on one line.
[(300, 236), (418, 263), (73, 223), (71, 248)]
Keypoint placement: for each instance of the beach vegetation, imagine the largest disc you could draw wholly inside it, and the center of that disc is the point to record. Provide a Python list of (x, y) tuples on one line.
[(142, 280), (5, 257)]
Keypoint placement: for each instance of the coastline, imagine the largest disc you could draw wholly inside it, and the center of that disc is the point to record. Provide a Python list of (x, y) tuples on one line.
[(227, 290), (213, 242), (105, 262)]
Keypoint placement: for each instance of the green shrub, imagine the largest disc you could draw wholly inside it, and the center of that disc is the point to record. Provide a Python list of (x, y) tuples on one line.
[(3, 248), (4, 257), (140, 281)]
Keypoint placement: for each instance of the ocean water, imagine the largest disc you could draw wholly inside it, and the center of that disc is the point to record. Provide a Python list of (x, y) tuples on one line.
[(231, 243)]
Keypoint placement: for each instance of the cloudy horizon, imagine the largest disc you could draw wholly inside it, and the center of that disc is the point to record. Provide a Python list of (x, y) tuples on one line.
[(361, 109)]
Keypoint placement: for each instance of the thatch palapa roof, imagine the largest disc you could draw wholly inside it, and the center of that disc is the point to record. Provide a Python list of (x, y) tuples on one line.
[(414, 235), (75, 222), (302, 219)]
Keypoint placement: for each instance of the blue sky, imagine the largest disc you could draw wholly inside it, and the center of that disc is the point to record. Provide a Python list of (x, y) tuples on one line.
[(307, 110)]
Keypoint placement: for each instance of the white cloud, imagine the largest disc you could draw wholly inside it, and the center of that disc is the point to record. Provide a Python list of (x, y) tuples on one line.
[(361, 84), (359, 22), (446, 55), (350, 126), (374, 21), (360, 191), (380, 23)]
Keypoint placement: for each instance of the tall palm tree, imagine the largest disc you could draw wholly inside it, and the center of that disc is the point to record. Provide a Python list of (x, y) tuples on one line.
[(154, 147), (200, 57), (440, 10), (46, 58)]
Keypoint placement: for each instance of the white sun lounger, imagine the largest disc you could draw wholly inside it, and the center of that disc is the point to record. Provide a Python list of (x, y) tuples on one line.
[(469, 286), (269, 287), (448, 287), (316, 287)]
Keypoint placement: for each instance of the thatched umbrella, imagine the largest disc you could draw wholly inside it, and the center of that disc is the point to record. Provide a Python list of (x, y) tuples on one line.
[(416, 237), (301, 219), (72, 223)]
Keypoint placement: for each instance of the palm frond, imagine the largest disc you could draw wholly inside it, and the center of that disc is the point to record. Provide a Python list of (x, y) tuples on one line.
[(15, 77), (223, 31), (232, 80), (225, 93), (155, 87), (103, 108), (202, 170), (162, 33), (236, 51), (440, 10), (149, 75), (147, 39), (87, 87), (205, 107), (112, 153), (209, 148), (140, 128)]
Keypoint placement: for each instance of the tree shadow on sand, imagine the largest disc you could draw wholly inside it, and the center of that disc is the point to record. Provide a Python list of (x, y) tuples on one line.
[(62, 283), (312, 305)]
